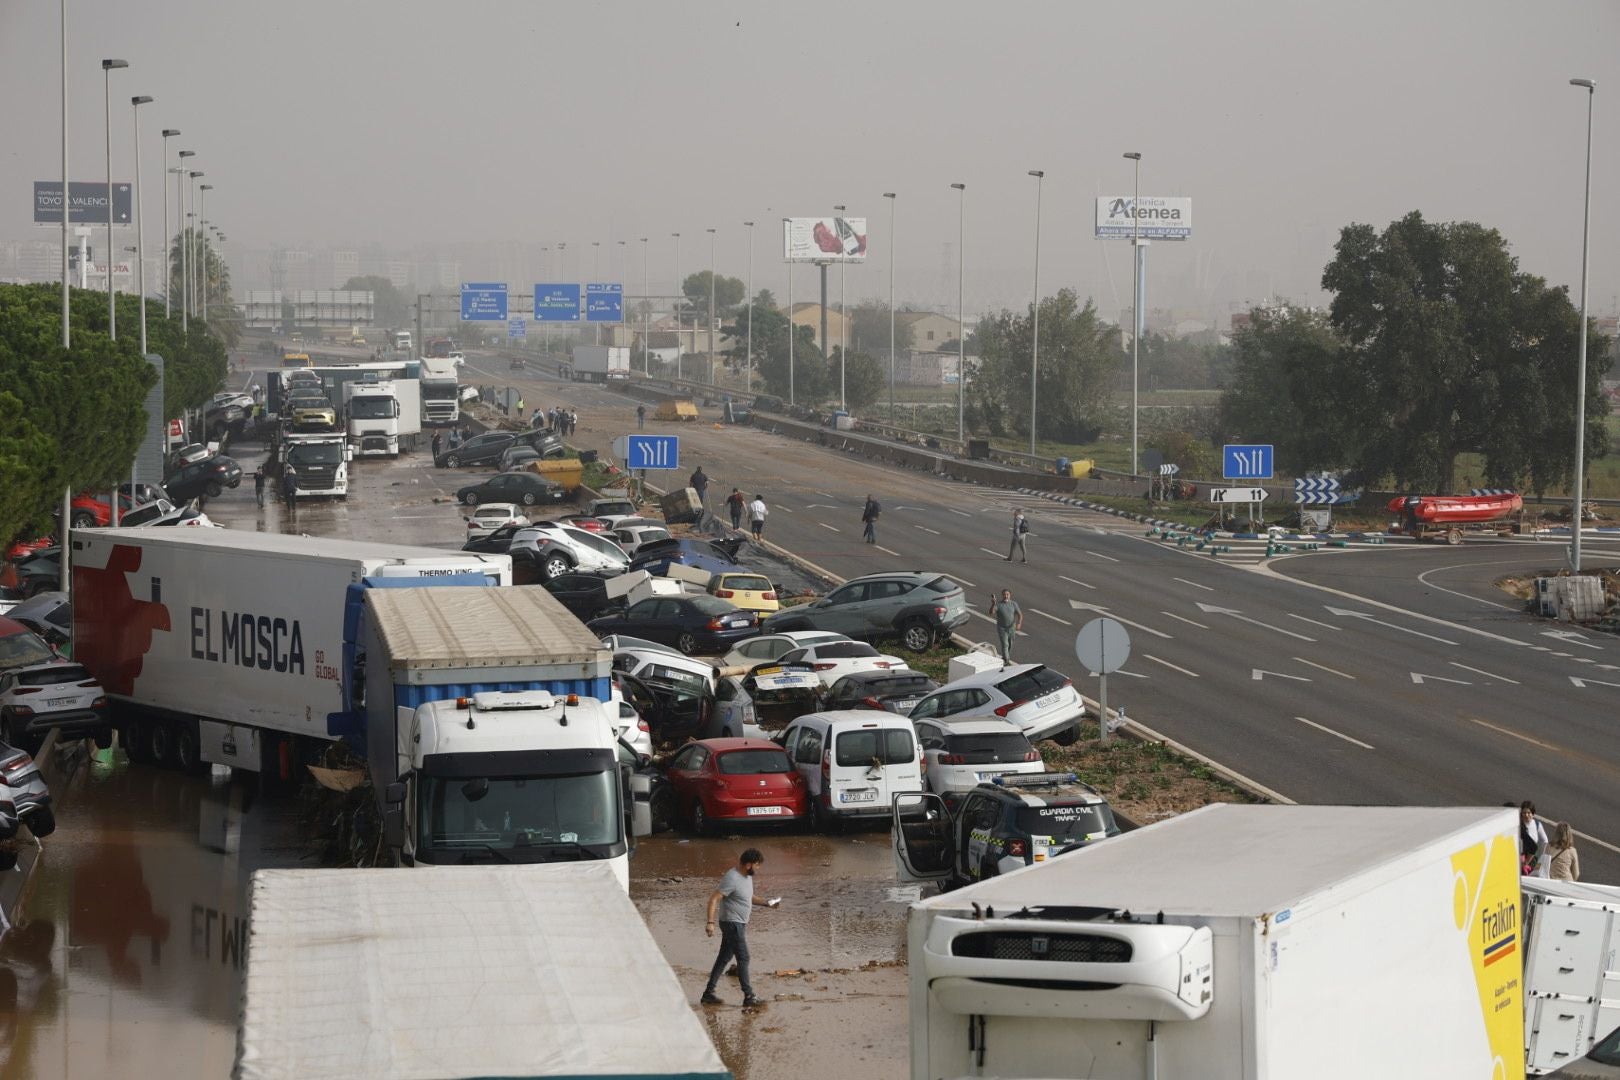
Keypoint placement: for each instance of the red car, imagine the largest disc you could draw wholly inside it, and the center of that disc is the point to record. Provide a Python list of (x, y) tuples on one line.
[(595, 525), (736, 781)]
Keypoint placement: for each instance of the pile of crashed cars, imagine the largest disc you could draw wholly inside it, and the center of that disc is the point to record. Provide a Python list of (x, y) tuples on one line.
[(39, 690)]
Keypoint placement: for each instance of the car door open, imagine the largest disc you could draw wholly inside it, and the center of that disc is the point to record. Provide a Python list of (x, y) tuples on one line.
[(923, 850)]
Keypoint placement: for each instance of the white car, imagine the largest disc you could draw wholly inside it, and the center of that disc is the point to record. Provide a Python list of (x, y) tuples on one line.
[(633, 730), (854, 763), (631, 537), (647, 659), (163, 512), (832, 660), (488, 517), (58, 694), (559, 548), (1042, 702), (757, 650), (959, 755), (764, 701), (614, 512)]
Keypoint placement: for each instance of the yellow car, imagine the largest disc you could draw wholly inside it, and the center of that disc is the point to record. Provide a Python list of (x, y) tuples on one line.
[(750, 592)]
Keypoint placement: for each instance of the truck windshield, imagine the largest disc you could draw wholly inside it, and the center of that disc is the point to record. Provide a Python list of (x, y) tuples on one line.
[(438, 389), (371, 408), (319, 454), (1076, 821), (563, 816)]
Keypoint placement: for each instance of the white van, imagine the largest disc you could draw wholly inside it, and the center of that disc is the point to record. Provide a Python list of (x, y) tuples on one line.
[(854, 762)]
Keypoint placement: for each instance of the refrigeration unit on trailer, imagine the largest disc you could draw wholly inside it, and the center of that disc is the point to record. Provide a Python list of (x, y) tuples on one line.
[(1571, 969), (1231, 943)]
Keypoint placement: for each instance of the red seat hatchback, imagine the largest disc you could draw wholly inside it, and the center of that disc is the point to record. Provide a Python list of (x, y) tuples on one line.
[(738, 782)]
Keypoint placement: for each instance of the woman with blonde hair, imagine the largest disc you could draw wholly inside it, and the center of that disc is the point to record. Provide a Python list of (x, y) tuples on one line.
[(1566, 863)]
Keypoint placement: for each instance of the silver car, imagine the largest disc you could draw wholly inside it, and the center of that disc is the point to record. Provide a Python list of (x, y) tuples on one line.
[(58, 694), (22, 784), (918, 608)]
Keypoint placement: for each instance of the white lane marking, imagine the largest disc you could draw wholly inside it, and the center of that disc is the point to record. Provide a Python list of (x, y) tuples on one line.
[(1565, 655), (1419, 679), (997, 554), (1054, 618), (1189, 622), (1584, 683), (1215, 609), (1259, 674), (1122, 671), (881, 548), (824, 525), (1324, 667), (1080, 606), (820, 506), (1487, 674), (963, 513), (1335, 734), (1313, 622), (1082, 584), (1424, 578), (789, 509), (1172, 667), (1571, 637), (1367, 616), (825, 494), (926, 529), (918, 508), (1194, 584), (1100, 555)]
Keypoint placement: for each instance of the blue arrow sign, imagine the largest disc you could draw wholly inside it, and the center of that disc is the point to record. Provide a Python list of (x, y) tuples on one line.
[(556, 303), (1246, 461), (516, 328), (653, 452), (604, 302), (483, 302)]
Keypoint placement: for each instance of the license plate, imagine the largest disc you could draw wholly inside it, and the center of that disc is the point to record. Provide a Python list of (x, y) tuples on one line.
[(1050, 699), (988, 775), (57, 703), (857, 796), (764, 810), (911, 704)]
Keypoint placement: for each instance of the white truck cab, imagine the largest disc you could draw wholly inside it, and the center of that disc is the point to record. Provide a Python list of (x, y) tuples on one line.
[(372, 410), (322, 460)]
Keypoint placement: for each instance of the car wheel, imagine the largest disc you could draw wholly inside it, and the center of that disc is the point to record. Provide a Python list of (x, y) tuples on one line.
[(1068, 736), (555, 565), (917, 635), (469, 498), (187, 748), (687, 643), (453, 461), (700, 819), (213, 489), (83, 519), (528, 498), (41, 822), (662, 806)]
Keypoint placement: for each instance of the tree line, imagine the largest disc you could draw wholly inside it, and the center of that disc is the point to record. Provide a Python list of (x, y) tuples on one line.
[(73, 418)]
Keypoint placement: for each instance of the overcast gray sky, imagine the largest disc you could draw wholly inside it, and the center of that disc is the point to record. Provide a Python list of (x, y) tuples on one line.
[(344, 123)]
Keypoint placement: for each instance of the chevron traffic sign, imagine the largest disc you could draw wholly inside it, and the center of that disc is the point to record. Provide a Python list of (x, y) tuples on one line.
[(1313, 490)]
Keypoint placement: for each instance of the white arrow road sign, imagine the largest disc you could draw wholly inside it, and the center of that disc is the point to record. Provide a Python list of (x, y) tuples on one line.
[(1346, 612), (1571, 637), (1215, 609), (1584, 683), (1237, 495), (1421, 679), (1260, 674), (1079, 606)]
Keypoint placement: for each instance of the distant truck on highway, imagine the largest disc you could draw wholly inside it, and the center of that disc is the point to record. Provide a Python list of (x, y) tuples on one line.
[(383, 416), (400, 342), (321, 459), (441, 393), (513, 971), (1231, 943), (600, 363)]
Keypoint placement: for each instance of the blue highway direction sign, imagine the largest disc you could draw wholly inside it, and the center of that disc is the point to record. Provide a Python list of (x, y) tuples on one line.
[(653, 451), (1246, 461), (556, 303), (483, 301), (604, 302)]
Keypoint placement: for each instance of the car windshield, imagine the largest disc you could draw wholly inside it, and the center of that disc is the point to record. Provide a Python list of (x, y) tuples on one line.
[(754, 762), (710, 605), (1034, 683), (371, 408), (844, 650), (319, 454), (900, 684), (891, 746), (614, 508), (1068, 821), (746, 582), (22, 649), (1005, 745), (53, 676), (516, 812)]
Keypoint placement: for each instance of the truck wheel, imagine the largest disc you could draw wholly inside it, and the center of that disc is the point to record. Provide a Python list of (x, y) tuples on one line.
[(160, 743), (187, 747), (1453, 537), (917, 635), (41, 822), (136, 741), (687, 643), (452, 461)]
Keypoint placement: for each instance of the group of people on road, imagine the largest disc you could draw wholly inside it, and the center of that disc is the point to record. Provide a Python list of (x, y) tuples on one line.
[(1539, 856), (289, 485), (557, 420)]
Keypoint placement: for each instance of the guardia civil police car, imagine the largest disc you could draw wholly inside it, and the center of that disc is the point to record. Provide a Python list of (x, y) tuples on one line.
[(998, 826)]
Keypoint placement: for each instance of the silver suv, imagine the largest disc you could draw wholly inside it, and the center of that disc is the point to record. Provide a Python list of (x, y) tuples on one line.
[(914, 606)]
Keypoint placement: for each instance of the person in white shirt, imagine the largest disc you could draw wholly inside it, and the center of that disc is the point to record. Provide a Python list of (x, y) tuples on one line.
[(756, 516)]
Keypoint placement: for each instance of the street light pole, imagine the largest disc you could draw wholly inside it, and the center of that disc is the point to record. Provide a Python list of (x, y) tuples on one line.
[(1136, 299), (140, 228), (180, 240), (843, 318), (1035, 311), (1580, 395), (680, 353), (191, 238), (961, 324), (711, 301), (107, 67), (646, 315), (892, 200), (793, 329), (168, 274), (202, 223), (748, 369), (67, 337)]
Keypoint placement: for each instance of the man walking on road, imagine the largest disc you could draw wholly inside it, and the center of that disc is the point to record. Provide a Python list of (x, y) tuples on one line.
[(438, 442), (699, 483), (641, 418), (1020, 527), (1009, 619), (729, 908), (735, 503), (258, 486), (756, 516), (289, 487), (869, 515)]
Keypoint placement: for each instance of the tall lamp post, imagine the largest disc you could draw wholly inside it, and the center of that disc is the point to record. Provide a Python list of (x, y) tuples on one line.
[(1136, 298), (67, 335), (191, 237), (107, 67), (180, 220), (140, 231), (168, 273), (680, 353), (961, 324), (202, 223), (711, 233), (646, 315), (748, 368), (1035, 311), (892, 200), (793, 330), (1580, 394), (843, 317)]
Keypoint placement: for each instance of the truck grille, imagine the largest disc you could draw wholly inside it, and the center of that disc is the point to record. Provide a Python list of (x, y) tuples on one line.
[(373, 442), (1025, 945)]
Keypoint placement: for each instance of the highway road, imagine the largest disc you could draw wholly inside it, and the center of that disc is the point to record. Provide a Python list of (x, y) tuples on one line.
[(1382, 675)]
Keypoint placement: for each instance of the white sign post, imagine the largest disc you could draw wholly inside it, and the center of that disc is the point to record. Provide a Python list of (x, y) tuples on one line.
[(1102, 645)]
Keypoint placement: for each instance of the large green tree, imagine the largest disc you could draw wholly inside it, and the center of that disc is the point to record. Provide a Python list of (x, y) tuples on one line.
[(211, 274), (390, 306), (869, 328), (728, 293), (1079, 356), (1285, 389)]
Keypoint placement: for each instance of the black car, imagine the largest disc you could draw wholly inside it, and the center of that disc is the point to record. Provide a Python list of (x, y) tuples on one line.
[(891, 691), (584, 594), (524, 488), (495, 543), (40, 572), (207, 477), (693, 624), (673, 711), (769, 403), (485, 449), (517, 456)]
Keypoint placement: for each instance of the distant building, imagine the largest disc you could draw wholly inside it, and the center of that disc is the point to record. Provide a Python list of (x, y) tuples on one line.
[(929, 329), (345, 265), (810, 315)]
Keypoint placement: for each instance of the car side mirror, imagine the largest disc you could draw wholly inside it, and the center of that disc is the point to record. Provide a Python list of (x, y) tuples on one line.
[(393, 827)]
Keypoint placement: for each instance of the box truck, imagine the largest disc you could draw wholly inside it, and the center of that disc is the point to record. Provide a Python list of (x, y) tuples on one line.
[(322, 461), (224, 647), (512, 971), (1571, 969), (599, 363), (382, 416), (441, 400), (1230, 943)]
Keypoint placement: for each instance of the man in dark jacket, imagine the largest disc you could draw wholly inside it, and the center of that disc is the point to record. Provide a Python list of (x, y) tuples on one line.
[(869, 515), (700, 484), (289, 486)]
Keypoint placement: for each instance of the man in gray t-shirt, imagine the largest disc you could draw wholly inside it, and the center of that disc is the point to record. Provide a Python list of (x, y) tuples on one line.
[(729, 907), (1009, 618)]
